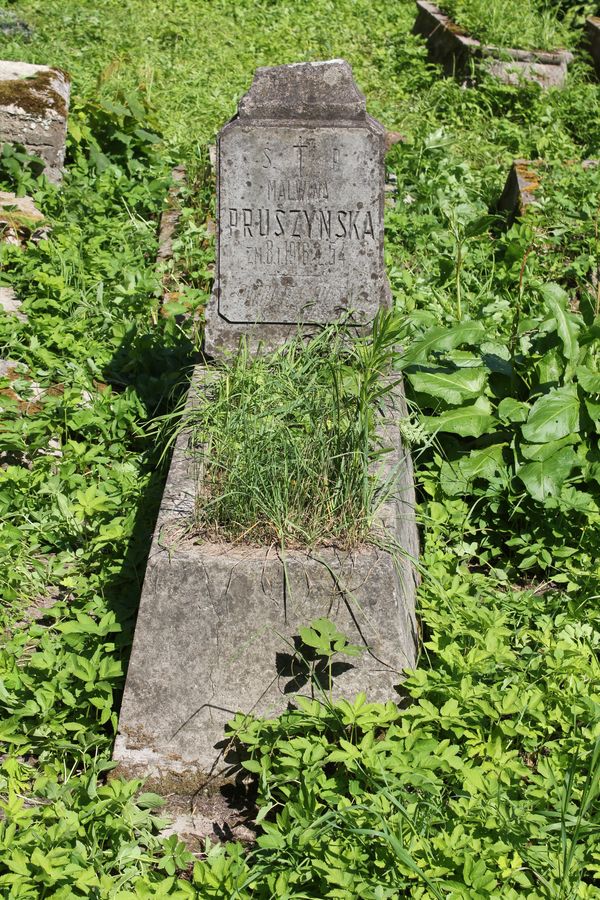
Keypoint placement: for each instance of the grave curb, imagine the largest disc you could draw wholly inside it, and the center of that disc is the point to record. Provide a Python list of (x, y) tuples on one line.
[(201, 596), (592, 31), (449, 45)]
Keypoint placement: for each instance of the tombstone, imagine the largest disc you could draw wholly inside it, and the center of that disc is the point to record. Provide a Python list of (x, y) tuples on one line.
[(34, 103), (300, 187), (300, 243)]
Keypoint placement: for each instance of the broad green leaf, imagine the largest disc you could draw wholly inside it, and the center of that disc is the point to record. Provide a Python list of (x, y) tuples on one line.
[(593, 411), (544, 478), (577, 501), (150, 801), (457, 476), (553, 416), (550, 367), (510, 410), (440, 338), (468, 421), (589, 380), (537, 452), (567, 325), (451, 386), (483, 463), (479, 226)]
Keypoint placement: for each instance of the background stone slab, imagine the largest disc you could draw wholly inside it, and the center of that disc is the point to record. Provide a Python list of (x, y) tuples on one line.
[(34, 104)]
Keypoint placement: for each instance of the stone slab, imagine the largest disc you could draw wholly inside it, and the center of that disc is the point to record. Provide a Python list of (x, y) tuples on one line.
[(592, 29), (20, 219), (520, 187), (300, 199), (216, 626), (10, 304), (449, 45), (13, 27), (34, 103), (524, 179)]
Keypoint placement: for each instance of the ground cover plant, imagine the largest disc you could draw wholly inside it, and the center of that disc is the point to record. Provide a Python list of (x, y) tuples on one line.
[(485, 782)]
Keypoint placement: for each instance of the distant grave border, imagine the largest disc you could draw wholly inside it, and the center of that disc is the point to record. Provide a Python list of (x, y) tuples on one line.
[(452, 47)]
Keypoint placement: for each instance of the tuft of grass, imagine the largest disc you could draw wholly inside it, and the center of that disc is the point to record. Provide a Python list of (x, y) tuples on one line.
[(528, 25), (289, 441)]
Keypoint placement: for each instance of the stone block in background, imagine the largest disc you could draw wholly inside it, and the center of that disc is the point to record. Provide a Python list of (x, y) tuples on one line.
[(524, 179), (13, 27), (521, 184), (34, 105), (592, 29), (19, 219)]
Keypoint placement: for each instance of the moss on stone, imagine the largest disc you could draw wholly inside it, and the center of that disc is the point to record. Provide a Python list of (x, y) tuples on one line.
[(33, 95)]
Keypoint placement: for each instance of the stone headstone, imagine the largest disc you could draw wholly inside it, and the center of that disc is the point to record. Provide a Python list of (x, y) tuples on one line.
[(34, 103), (300, 198)]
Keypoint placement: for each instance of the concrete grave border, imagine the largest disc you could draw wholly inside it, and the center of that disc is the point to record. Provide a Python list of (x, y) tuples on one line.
[(451, 46), (592, 30), (200, 600)]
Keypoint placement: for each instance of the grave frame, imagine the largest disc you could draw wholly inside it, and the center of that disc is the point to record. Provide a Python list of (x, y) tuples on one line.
[(201, 598), (452, 47)]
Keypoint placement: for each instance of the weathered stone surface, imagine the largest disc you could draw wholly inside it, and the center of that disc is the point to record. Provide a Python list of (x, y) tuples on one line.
[(19, 218), (216, 627), (10, 304), (300, 187), (592, 29), (446, 42), (524, 180), (34, 102), (11, 26), (449, 45), (520, 187)]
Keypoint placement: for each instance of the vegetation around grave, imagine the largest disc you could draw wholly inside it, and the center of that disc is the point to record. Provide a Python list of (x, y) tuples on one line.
[(485, 782)]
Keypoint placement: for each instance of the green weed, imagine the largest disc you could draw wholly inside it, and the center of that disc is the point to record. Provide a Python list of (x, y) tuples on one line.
[(289, 443)]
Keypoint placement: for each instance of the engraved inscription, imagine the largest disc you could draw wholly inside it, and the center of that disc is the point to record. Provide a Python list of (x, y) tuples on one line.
[(300, 224), (329, 224)]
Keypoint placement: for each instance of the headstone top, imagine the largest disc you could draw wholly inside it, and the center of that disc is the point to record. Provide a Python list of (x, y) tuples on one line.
[(310, 90)]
